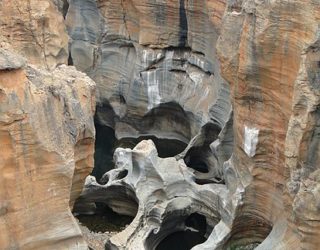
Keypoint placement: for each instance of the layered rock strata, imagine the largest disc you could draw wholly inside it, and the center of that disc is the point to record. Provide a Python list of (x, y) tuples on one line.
[(269, 53), (156, 71)]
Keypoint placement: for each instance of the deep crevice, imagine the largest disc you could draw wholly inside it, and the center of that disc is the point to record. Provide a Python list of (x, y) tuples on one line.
[(216, 180), (183, 24), (104, 148), (70, 60), (65, 8)]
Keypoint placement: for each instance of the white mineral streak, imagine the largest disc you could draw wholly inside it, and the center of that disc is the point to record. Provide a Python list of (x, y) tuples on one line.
[(145, 57), (197, 61), (196, 78), (152, 81), (150, 56), (250, 140), (154, 98)]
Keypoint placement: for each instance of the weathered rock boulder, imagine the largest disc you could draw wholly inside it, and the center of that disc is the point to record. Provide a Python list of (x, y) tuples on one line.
[(47, 144), (162, 195)]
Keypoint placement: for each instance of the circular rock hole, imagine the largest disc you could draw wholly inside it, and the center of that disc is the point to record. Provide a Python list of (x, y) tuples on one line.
[(248, 232), (101, 225), (122, 174)]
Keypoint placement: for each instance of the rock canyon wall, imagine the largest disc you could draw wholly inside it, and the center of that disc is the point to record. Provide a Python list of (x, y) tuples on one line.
[(198, 119), (271, 60), (47, 144)]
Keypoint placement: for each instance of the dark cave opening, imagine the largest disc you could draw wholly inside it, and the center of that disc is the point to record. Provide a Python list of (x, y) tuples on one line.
[(197, 222), (122, 174), (104, 149), (210, 132), (182, 240), (196, 160), (194, 234), (165, 147), (200, 157)]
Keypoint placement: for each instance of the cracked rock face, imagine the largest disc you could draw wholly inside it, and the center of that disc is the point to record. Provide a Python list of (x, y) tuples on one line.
[(36, 30)]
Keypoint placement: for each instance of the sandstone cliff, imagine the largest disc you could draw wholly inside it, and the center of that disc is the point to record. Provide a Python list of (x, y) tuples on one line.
[(36, 30), (47, 142), (269, 53)]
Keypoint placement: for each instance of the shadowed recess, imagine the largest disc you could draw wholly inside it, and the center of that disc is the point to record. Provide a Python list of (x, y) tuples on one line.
[(199, 157), (104, 149), (165, 147), (179, 232), (183, 240), (168, 120), (248, 232)]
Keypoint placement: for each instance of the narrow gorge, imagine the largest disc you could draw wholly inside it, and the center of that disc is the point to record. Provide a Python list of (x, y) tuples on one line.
[(160, 124)]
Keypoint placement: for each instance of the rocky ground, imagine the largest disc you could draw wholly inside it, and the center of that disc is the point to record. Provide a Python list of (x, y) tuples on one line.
[(95, 240), (98, 228)]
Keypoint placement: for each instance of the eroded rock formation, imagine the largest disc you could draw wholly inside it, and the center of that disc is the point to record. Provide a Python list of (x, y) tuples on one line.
[(166, 192), (156, 71), (209, 110)]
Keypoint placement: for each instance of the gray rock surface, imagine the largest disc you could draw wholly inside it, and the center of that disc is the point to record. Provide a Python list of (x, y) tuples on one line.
[(10, 60), (161, 193)]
